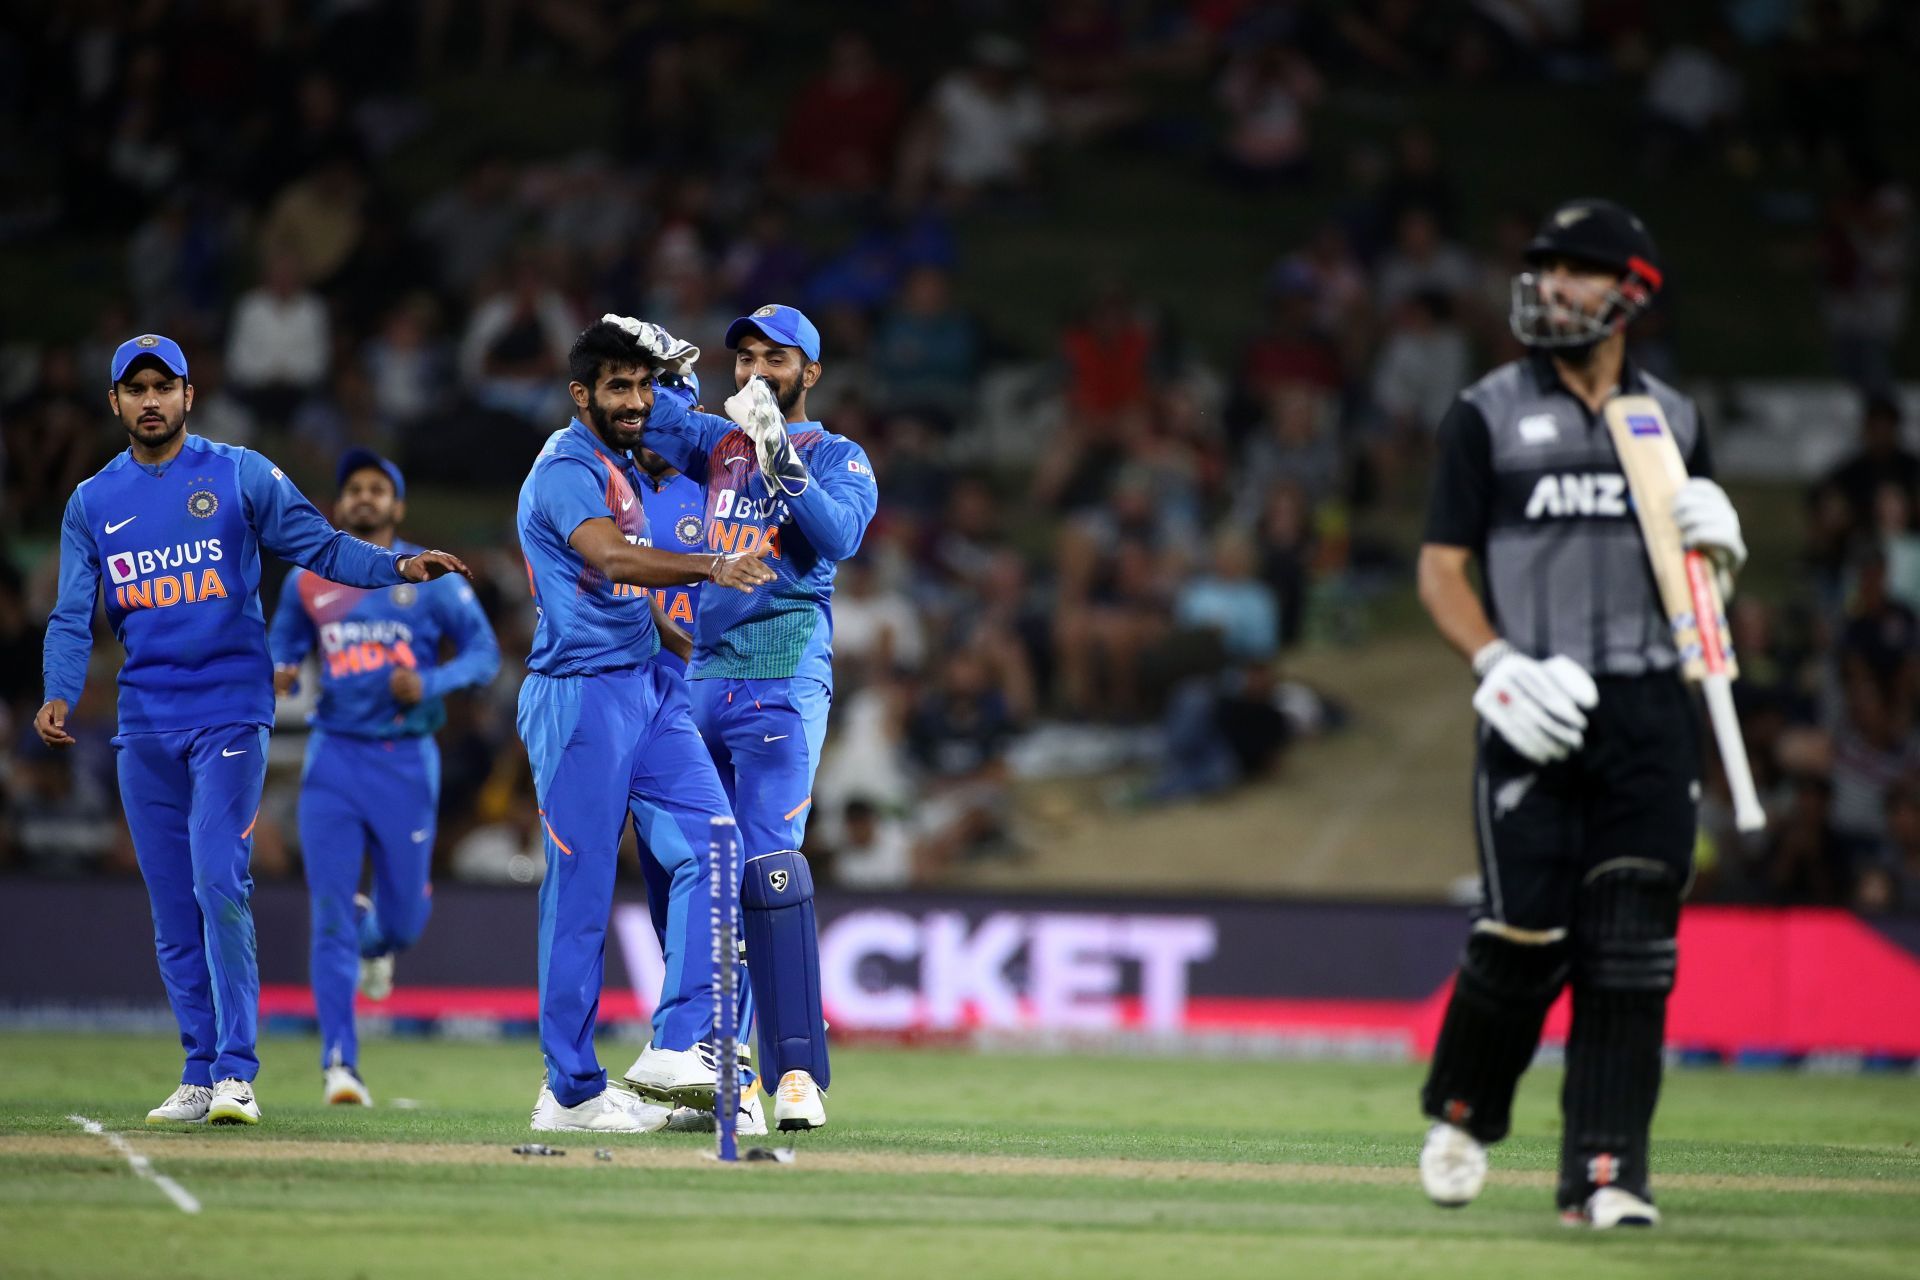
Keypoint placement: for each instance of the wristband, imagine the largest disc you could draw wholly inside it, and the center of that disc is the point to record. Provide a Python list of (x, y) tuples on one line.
[(1489, 654)]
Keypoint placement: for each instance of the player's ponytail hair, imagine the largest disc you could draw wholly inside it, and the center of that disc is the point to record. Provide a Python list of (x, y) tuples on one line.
[(605, 345)]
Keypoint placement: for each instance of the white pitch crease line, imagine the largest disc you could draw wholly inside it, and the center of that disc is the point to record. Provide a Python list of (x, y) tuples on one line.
[(141, 1166)]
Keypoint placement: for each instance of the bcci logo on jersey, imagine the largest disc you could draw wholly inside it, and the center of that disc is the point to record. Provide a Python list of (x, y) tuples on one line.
[(687, 529)]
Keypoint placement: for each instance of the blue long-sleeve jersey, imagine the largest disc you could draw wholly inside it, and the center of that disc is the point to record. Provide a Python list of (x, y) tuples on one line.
[(676, 521), (364, 635), (586, 624), (784, 628), (179, 547)]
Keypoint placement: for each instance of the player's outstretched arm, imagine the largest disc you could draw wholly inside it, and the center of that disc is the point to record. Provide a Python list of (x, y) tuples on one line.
[(476, 658), (293, 529), (69, 640), (601, 544)]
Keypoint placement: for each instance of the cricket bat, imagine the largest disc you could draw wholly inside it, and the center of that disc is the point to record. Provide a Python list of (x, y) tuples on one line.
[(1688, 592)]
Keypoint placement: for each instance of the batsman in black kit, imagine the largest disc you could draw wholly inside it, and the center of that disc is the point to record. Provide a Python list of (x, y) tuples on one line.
[(1588, 770)]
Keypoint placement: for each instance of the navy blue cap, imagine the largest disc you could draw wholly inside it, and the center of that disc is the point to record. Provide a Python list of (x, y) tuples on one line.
[(780, 324), (359, 460), (165, 350)]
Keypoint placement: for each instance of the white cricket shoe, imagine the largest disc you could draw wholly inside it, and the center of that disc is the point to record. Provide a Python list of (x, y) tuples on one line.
[(186, 1105), (1611, 1207), (683, 1077), (609, 1111), (798, 1102), (1453, 1165), (376, 972), (233, 1103), (752, 1122), (343, 1087)]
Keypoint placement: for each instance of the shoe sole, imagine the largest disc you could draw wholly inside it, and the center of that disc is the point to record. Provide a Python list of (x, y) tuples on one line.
[(697, 1096), (162, 1122), (800, 1126), (230, 1117), (349, 1100)]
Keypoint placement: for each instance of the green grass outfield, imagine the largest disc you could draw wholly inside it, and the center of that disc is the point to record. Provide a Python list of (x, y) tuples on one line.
[(937, 1163)]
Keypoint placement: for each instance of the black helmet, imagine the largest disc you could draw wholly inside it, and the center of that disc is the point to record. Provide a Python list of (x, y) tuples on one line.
[(1603, 234)]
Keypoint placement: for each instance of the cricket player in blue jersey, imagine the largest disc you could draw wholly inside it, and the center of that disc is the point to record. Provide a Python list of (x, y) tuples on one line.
[(609, 733), (761, 675), (176, 524), (371, 783)]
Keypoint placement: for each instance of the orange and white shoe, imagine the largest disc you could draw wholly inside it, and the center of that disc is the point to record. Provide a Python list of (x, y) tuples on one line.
[(798, 1103), (342, 1087)]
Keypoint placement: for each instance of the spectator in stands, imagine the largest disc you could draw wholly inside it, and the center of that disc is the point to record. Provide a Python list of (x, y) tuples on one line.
[(1881, 459), (1423, 261), (1267, 93), (63, 817), (875, 628), (872, 851), (1084, 68), (1694, 97), (765, 261), (982, 126), (52, 442), (320, 219), (472, 227), (1285, 534), (925, 351), (514, 355), (958, 735), (1419, 180), (1872, 747), (219, 414), (1232, 602), (1220, 731), (279, 347), (844, 127), (1891, 881), (1296, 442), (408, 363), (1422, 365), (1868, 250)]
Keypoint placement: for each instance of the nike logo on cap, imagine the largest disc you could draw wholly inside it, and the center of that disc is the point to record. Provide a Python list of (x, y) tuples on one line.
[(240, 752), (115, 528)]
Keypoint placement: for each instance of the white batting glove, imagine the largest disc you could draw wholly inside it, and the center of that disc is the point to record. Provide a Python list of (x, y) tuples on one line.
[(756, 410), (1709, 523), (670, 353), (1538, 707)]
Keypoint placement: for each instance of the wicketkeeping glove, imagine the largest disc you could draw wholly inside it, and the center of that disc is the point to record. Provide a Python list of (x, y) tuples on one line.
[(670, 353), (756, 410), (1538, 707)]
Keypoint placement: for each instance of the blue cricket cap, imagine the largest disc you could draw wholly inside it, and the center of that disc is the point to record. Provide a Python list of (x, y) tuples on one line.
[(165, 350), (359, 460), (780, 324)]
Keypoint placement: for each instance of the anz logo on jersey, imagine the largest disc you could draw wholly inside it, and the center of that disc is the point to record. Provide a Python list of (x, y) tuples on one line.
[(355, 648), (159, 578), (737, 519), (1574, 496)]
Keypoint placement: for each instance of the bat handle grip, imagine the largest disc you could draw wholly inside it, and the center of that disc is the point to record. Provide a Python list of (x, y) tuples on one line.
[(1747, 813)]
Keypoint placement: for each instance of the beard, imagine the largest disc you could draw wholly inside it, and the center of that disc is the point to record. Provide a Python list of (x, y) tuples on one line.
[(611, 429), (785, 394), (149, 434), (361, 522)]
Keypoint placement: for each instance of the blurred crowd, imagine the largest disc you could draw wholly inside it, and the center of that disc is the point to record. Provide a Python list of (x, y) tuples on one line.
[(291, 191)]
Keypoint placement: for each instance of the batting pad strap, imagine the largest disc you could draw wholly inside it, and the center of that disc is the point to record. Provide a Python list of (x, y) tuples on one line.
[(783, 965), (775, 880)]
